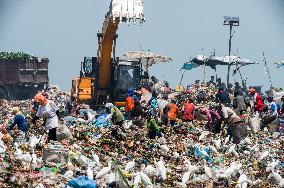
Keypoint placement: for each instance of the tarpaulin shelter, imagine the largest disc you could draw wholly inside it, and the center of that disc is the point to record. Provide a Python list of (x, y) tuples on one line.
[(213, 61), (280, 64), (148, 58)]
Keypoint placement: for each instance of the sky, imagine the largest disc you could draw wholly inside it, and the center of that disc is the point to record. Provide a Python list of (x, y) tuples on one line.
[(65, 31)]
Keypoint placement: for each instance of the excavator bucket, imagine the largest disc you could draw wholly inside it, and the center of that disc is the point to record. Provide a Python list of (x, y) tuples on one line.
[(127, 11)]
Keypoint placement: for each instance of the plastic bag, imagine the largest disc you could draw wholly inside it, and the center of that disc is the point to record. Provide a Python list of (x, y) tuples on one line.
[(239, 132), (63, 132), (255, 122), (204, 154), (82, 182), (101, 121)]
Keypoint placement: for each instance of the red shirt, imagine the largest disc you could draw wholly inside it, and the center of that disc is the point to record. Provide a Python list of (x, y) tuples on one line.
[(129, 104), (188, 113), (258, 104)]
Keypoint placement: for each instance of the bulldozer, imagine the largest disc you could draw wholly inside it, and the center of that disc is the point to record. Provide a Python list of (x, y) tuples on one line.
[(106, 78)]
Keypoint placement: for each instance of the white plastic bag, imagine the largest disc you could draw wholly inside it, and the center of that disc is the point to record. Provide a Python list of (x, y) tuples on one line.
[(63, 132), (254, 122)]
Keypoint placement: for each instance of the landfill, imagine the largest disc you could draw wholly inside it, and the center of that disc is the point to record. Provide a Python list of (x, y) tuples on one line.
[(93, 152)]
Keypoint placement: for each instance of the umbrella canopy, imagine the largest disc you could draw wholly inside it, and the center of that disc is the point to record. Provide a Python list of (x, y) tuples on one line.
[(214, 60), (280, 64), (148, 58)]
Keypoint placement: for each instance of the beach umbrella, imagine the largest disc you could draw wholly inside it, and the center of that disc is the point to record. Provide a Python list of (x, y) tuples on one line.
[(147, 58)]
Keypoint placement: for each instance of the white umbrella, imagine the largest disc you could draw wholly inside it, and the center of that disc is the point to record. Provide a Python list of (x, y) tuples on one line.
[(148, 58)]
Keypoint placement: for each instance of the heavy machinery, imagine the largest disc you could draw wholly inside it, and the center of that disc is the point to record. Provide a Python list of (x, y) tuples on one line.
[(104, 78), (22, 75)]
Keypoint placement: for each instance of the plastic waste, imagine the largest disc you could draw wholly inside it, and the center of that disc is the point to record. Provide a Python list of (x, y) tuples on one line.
[(82, 182)]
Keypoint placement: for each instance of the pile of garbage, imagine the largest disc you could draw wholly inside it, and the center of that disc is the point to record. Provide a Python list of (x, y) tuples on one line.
[(92, 152)]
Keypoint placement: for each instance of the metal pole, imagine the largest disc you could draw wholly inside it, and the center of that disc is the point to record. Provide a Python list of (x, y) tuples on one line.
[(230, 46), (181, 77), (267, 69)]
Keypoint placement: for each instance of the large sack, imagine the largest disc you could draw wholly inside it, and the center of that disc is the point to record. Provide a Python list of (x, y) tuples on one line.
[(239, 132), (273, 126), (254, 122), (267, 119), (55, 153), (63, 132)]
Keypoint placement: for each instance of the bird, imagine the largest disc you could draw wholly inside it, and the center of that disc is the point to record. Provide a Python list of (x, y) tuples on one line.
[(144, 178), (150, 170), (161, 169), (130, 165), (104, 171)]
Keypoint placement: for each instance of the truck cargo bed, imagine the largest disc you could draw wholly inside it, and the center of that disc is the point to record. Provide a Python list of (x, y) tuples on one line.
[(33, 71)]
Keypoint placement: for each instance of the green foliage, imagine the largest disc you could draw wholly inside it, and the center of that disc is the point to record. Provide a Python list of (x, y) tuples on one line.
[(15, 56)]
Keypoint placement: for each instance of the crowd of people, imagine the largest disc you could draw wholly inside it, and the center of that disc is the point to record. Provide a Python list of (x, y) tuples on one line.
[(206, 108)]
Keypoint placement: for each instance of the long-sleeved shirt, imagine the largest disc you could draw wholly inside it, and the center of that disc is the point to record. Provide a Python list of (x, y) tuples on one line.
[(48, 112), (258, 103), (21, 123), (211, 115), (153, 126), (273, 108)]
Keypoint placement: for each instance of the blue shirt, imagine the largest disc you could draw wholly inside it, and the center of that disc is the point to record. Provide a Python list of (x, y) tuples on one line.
[(21, 123)]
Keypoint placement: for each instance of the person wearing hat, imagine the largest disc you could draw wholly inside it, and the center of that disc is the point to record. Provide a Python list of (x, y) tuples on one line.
[(114, 114), (257, 100), (49, 112), (22, 125)]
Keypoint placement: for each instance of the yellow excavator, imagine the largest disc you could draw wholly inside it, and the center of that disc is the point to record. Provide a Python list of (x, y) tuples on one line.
[(106, 78)]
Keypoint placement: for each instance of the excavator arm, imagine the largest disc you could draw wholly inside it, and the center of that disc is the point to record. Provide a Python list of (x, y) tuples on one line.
[(99, 84), (120, 11)]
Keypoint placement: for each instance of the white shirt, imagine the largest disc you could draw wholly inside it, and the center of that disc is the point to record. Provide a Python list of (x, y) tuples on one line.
[(162, 103), (48, 112), (230, 114)]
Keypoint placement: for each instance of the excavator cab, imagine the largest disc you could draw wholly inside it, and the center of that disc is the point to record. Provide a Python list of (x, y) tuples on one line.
[(126, 75)]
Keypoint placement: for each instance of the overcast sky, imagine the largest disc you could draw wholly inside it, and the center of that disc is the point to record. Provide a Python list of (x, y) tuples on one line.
[(65, 32)]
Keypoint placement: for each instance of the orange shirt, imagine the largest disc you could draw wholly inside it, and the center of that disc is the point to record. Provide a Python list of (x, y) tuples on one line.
[(129, 104), (173, 112)]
